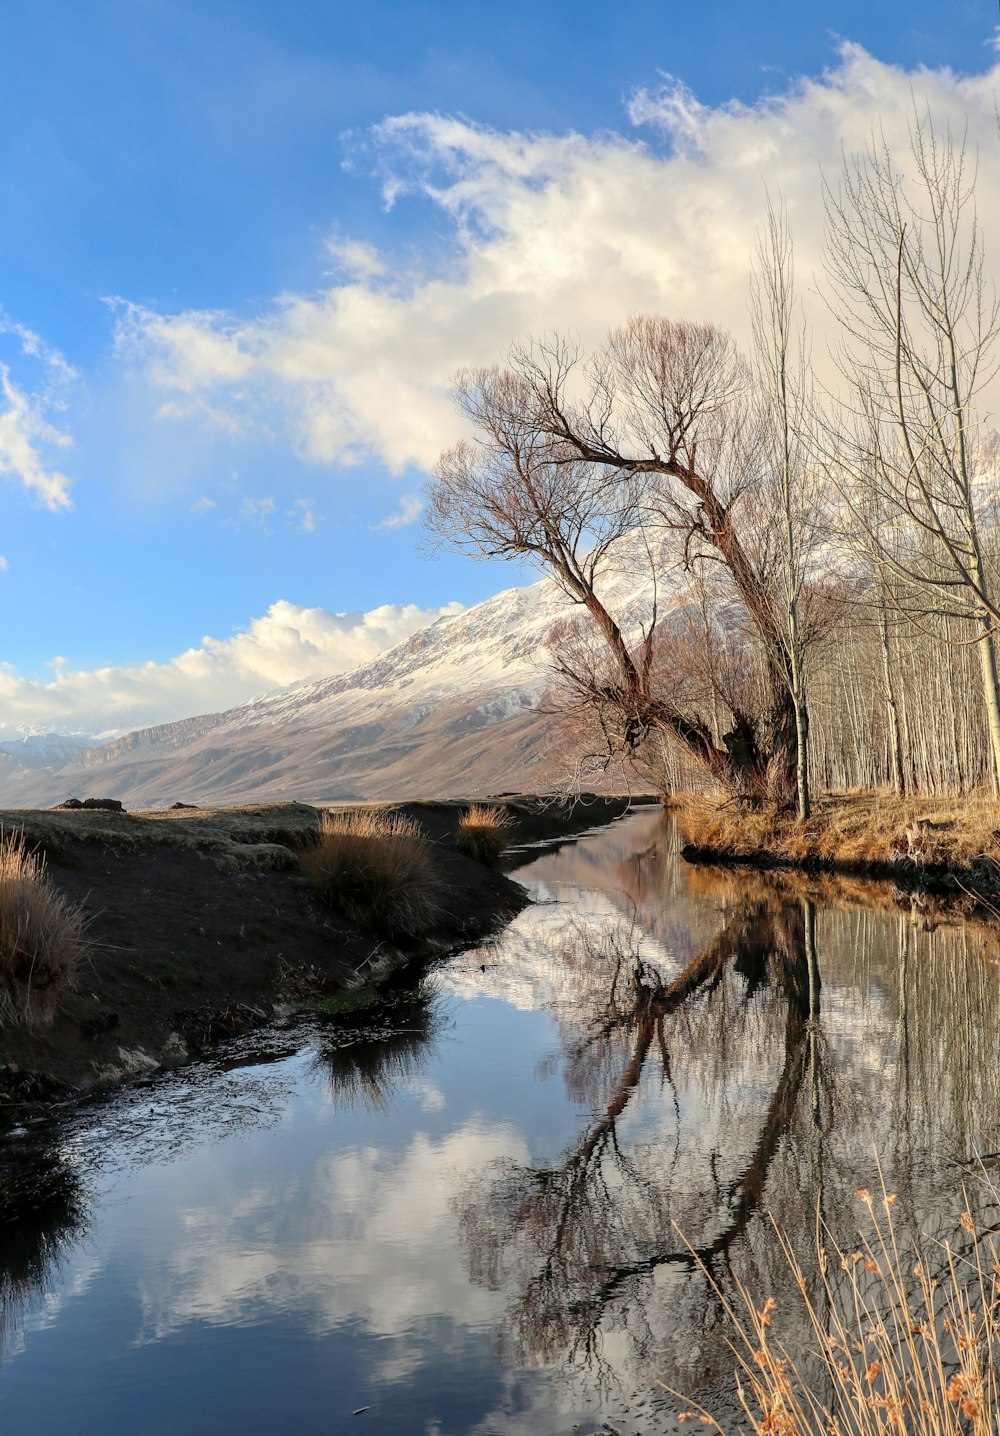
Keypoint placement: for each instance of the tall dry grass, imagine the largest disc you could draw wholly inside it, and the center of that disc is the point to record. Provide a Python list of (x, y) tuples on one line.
[(483, 832), (907, 1336), (853, 828), (377, 869), (42, 936)]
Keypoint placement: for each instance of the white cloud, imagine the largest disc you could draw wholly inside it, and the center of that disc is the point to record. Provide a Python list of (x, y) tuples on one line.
[(23, 433), (410, 508), (288, 645), (550, 231), (303, 516), (203, 505)]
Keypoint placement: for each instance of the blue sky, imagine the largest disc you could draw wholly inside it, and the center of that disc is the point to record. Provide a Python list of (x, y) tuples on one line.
[(243, 245)]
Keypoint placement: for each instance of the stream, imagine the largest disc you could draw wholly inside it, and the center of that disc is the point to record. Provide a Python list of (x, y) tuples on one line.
[(505, 1201)]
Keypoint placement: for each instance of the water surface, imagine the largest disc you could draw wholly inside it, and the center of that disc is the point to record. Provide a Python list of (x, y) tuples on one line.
[(472, 1209)]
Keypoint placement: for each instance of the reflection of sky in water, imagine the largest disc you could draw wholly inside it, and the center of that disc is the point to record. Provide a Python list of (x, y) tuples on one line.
[(444, 1229)]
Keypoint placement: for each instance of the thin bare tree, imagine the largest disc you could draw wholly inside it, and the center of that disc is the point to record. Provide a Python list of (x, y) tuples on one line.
[(919, 324), (795, 509)]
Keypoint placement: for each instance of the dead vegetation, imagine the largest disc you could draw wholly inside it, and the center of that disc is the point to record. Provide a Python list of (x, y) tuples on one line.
[(377, 869), (483, 833), (42, 936), (907, 1336), (855, 830)]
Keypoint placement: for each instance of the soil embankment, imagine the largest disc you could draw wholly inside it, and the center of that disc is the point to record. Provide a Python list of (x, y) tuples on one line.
[(201, 924)]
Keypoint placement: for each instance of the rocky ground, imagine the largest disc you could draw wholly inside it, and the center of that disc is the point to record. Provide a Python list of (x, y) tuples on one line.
[(202, 924)]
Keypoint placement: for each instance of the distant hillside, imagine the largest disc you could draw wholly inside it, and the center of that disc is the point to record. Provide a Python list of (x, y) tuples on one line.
[(451, 711)]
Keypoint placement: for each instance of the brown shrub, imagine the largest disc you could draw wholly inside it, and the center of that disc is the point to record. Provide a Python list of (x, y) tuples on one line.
[(377, 869), (482, 833), (41, 936)]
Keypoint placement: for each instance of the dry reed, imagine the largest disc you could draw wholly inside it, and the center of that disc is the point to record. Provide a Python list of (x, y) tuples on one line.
[(853, 828), (41, 936), (482, 833), (908, 1338), (377, 868)]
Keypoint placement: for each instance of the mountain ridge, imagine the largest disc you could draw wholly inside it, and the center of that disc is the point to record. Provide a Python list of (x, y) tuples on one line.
[(450, 711)]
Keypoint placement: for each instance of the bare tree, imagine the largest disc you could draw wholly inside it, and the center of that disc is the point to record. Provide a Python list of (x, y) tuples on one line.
[(905, 259), (658, 432), (782, 372)]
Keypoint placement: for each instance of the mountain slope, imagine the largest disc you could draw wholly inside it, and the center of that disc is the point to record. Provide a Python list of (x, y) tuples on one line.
[(451, 711)]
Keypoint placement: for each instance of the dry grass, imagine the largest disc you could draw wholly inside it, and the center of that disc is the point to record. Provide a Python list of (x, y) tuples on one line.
[(855, 828), (482, 833), (908, 1339), (41, 936), (377, 868)]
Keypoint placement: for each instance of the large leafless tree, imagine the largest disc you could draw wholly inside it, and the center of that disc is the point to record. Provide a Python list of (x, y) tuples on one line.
[(660, 432)]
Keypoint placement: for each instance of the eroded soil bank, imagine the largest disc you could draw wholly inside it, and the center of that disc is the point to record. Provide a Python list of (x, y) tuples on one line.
[(202, 924)]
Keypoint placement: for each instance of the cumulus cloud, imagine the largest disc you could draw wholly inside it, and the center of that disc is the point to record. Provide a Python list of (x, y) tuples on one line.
[(289, 644), (549, 231)]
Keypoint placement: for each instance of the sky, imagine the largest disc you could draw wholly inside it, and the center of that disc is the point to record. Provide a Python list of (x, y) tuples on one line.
[(245, 245)]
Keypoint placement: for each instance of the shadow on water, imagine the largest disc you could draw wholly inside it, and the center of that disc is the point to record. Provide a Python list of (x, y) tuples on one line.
[(43, 1209), (365, 1058)]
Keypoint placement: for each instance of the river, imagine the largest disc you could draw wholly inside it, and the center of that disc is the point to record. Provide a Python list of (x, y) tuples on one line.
[(471, 1207)]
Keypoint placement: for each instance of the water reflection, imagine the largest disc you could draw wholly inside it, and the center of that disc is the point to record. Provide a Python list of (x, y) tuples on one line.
[(755, 1078), (578, 1240), (42, 1215), (464, 1208), (364, 1063)]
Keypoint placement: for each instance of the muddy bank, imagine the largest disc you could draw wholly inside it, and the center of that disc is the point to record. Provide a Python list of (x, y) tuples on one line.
[(201, 924)]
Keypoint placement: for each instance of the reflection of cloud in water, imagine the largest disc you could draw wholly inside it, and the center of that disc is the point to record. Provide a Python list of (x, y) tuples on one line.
[(533, 965), (368, 1240)]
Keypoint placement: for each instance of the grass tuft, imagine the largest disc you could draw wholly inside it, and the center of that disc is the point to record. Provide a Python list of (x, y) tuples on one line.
[(483, 833), (377, 869), (908, 1338), (41, 937)]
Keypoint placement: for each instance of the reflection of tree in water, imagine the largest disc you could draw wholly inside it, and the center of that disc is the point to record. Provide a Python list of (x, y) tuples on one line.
[(581, 1242), (42, 1211), (366, 1056)]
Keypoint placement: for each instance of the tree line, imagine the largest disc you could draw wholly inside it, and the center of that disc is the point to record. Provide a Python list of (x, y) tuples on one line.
[(838, 548)]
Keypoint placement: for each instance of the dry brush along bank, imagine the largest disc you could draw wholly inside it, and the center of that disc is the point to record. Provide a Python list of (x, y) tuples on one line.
[(948, 846), (195, 925)]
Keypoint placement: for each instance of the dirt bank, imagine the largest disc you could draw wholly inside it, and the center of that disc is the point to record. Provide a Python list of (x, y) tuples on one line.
[(201, 924)]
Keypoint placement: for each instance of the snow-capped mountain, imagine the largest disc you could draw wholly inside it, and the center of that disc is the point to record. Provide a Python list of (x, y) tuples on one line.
[(453, 710), (46, 750)]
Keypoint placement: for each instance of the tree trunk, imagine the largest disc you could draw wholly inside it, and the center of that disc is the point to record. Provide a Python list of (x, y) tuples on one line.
[(891, 711), (988, 662)]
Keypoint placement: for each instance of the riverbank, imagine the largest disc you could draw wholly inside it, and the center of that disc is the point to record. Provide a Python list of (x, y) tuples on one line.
[(936, 845), (201, 924)]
